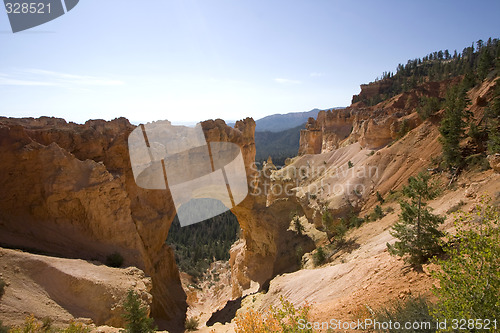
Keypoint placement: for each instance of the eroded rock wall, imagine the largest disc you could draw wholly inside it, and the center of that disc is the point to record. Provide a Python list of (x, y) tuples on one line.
[(68, 190), (266, 247)]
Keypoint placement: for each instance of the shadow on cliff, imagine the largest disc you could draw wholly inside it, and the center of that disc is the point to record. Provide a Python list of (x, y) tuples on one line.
[(226, 314)]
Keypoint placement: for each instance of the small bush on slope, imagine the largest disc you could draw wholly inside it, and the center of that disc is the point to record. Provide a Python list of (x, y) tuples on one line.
[(32, 325), (413, 309), (470, 279), (191, 324), (115, 259), (284, 319), (3, 329), (319, 256), (2, 287)]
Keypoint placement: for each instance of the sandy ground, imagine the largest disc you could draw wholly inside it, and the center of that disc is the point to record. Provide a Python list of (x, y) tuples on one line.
[(65, 289)]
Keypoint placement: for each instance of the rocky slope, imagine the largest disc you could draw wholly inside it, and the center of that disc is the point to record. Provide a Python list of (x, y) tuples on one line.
[(66, 289), (356, 134), (373, 127)]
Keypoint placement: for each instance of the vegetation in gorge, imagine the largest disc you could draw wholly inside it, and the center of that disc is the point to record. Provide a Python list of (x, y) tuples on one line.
[(198, 245)]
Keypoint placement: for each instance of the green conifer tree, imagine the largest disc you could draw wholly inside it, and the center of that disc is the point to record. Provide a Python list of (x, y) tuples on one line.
[(417, 226), (136, 315), (453, 126)]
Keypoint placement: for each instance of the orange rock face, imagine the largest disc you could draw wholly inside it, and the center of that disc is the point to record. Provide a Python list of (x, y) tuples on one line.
[(264, 248), (68, 190)]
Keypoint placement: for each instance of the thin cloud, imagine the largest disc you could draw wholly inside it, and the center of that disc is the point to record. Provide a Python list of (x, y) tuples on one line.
[(5, 80), (286, 81), (40, 77), (75, 79), (316, 74)]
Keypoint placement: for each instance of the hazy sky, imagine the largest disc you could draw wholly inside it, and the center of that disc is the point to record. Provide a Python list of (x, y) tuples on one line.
[(188, 60)]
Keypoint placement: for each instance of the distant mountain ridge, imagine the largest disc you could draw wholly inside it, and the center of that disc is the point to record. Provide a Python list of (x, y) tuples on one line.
[(278, 145), (281, 122)]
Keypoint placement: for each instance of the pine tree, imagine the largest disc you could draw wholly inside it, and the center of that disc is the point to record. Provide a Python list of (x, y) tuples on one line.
[(298, 226), (493, 122), (328, 225), (485, 63), (136, 315), (417, 226), (453, 126)]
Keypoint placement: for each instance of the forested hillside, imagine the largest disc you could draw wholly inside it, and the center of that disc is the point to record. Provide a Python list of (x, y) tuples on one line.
[(474, 62), (278, 145), (198, 245)]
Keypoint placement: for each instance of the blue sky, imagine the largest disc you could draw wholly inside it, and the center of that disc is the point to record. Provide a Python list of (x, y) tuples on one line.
[(189, 60)]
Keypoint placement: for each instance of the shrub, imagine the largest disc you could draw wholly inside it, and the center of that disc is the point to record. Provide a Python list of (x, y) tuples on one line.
[(191, 324), (469, 281), (32, 325), (379, 197), (455, 207), (350, 164), (377, 214), (428, 107), (283, 319), (319, 256), (298, 226), (340, 230), (2, 287), (47, 324), (403, 129), (115, 259), (355, 221), (136, 316), (4, 329), (413, 309), (389, 210), (76, 328), (393, 196), (477, 161)]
